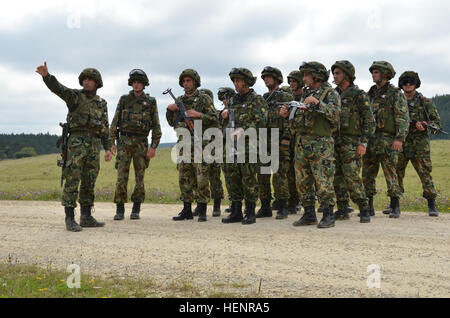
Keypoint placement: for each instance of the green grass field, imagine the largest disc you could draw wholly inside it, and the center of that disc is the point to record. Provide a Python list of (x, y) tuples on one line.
[(38, 178)]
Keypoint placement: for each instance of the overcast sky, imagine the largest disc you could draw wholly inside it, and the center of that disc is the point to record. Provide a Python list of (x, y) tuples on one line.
[(165, 37)]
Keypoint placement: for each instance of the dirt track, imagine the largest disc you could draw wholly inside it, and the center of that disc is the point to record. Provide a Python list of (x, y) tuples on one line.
[(413, 252)]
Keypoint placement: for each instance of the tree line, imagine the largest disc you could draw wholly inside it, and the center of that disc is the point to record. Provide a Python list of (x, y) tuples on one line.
[(27, 145)]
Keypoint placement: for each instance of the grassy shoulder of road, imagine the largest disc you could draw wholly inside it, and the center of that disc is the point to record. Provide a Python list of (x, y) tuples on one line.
[(38, 178)]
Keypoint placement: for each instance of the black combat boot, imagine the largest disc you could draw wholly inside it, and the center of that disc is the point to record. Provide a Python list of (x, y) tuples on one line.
[(364, 214), (249, 217), (388, 209), (135, 211), (228, 210), (395, 213), (236, 213), (87, 220), (327, 219), (216, 208), (292, 207), (276, 205), (195, 213), (201, 212), (350, 209), (371, 208), (320, 209), (265, 211), (283, 212), (342, 213), (185, 214), (71, 225), (432, 209), (120, 211), (308, 218)]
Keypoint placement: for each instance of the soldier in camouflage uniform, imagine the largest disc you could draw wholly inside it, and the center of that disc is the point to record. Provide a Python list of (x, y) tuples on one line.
[(249, 113), (193, 177), (357, 124), (273, 78), (225, 94), (295, 80), (88, 128), (136, 114), (417, 144), (314, 123), (392, 120), (215, 183)]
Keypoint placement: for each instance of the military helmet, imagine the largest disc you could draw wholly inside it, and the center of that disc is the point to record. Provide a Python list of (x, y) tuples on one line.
[(191, 73), (347, 67), (207, 92), (274, 72), (409, 76), (91, 73), (296, 75), (318, 70), (137, 75), (384, 67), (286, 89), (225, 92), (243, 73)]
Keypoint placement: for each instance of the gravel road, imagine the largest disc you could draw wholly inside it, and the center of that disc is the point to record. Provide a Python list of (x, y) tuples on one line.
[(271, 256)]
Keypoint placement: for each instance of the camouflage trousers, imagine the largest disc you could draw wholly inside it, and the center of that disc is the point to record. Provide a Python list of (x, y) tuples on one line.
[(347, 177), (279, 182), (215, 182), (243, 181), (294, 198), (131, 149), (417, 150), (83, 164), (314, 170), (193, 181), (379, 151), (227, 174)]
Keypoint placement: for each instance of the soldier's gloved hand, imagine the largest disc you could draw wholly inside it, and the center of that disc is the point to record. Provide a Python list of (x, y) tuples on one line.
[(42, 70), (151, 153), (113, 150), (108, 156), (311, 100), (193, 113)]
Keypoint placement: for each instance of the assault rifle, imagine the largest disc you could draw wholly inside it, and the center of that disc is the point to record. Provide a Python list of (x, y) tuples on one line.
[(182, 113), (431, 128), (62, 143), (294, 105)]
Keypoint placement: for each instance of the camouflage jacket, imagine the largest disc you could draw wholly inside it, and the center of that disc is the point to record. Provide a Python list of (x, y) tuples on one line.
[(137, 115), (323, 121), (390, 110), (86, 113), (201, 103), (356, 114), (422, 109)]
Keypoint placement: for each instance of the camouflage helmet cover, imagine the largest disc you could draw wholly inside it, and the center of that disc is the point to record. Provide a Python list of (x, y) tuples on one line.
[(138, 75), (91, 73), (347, 67), (207, 92), (225, 92), (274, 72), (191, 73), (243, 73), (384, 67), (409, 74), (296, 75), (317, 70)]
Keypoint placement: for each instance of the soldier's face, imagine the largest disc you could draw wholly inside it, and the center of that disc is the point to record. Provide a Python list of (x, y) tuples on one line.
[(137, 86), (293, 84), (224, 101), (188, 84), (308, 79), (89, 84), (408, 88), (239, 85), (270, 82), (376, 76), (338, 76)]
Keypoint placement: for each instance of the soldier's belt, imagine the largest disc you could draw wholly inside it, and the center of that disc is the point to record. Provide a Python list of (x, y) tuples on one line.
[(84, 132), (129, 134)]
